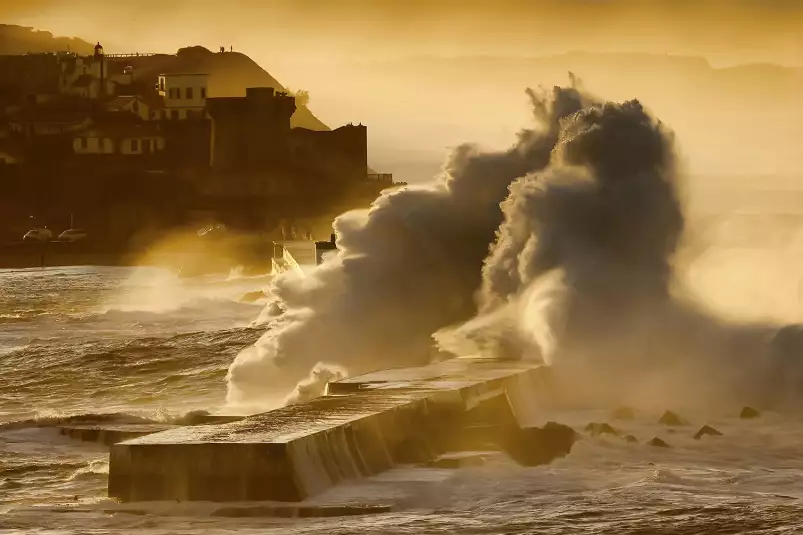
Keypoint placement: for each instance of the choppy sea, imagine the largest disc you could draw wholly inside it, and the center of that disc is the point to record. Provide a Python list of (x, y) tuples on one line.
[(143, 342)]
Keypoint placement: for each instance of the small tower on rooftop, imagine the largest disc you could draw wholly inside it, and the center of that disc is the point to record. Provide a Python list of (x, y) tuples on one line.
[(99, 56)]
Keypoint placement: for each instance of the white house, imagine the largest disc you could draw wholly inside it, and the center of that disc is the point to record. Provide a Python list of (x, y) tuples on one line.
[(92, 141), (125, 139), (184, 95)]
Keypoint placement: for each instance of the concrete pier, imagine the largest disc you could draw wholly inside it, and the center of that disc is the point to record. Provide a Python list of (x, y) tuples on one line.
[(111, 434), (365, 425)]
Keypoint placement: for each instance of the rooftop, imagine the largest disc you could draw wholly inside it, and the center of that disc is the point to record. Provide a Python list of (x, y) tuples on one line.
[(122, 100)]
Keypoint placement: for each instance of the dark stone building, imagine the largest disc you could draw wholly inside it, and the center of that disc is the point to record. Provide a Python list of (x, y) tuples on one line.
[(251, 136)]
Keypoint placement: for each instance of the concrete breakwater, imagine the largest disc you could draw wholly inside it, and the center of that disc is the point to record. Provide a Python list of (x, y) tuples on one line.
[(111, 432), (363, 426)]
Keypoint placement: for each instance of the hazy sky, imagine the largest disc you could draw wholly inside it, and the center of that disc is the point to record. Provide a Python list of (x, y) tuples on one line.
[(305, 43), (725, 31)]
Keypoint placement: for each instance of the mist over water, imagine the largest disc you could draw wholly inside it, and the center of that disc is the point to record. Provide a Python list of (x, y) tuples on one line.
[(561, 248)]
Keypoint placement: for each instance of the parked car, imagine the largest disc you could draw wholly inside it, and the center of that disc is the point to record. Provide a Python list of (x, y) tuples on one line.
[(73, 235), (212, 231), (38, 235)]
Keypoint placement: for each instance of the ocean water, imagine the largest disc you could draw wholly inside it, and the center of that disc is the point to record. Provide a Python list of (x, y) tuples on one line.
[(143, 342)]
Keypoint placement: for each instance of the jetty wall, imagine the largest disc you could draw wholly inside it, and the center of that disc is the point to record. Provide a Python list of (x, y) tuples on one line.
[(365, 425)]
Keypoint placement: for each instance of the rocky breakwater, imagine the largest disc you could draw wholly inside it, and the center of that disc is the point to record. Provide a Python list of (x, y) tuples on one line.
[(365, 425)]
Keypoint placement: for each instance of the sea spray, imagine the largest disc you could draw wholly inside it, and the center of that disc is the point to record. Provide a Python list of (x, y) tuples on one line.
[(582, 220), (582, 275), (315, 385), (406, 267)]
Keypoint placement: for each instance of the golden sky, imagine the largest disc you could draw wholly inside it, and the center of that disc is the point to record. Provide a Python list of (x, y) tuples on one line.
[(724, 31), (745, 121)]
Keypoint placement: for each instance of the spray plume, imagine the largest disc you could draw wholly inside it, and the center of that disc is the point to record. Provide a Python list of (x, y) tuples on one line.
[(406, 267), (581, 276), (581, 218)]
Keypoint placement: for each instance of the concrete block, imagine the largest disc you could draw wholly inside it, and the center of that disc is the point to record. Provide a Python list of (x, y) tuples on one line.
[(365, 425), (109, 434)]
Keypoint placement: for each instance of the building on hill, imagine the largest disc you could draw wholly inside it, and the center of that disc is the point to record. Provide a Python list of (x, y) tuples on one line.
[(48, 121), (81, 131), (253, 133), (338, 156), (250, 132), (135, 105), (85, 76), (184, 95), (132, 139), (91, 76)]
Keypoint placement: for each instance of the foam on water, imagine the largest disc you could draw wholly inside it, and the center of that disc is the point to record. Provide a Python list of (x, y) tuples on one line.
[(749, 479), (144, 342), (118, 339)]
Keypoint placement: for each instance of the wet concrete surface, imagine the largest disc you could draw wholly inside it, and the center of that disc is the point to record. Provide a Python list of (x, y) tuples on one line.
[(111, 434), (368, 424)]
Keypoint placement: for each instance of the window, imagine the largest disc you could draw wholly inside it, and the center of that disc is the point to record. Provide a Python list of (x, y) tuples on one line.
[(203, 92), (134, 145), (189, 93), (174, 115), (153, 145), (82, 144)]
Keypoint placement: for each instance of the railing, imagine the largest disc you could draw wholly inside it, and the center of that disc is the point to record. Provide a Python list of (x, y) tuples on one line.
[(134, 55), (277, 266), (291, 262), (380, 177)]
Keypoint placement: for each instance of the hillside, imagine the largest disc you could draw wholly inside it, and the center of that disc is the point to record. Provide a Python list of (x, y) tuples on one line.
[(24, 40), (230, 73)]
